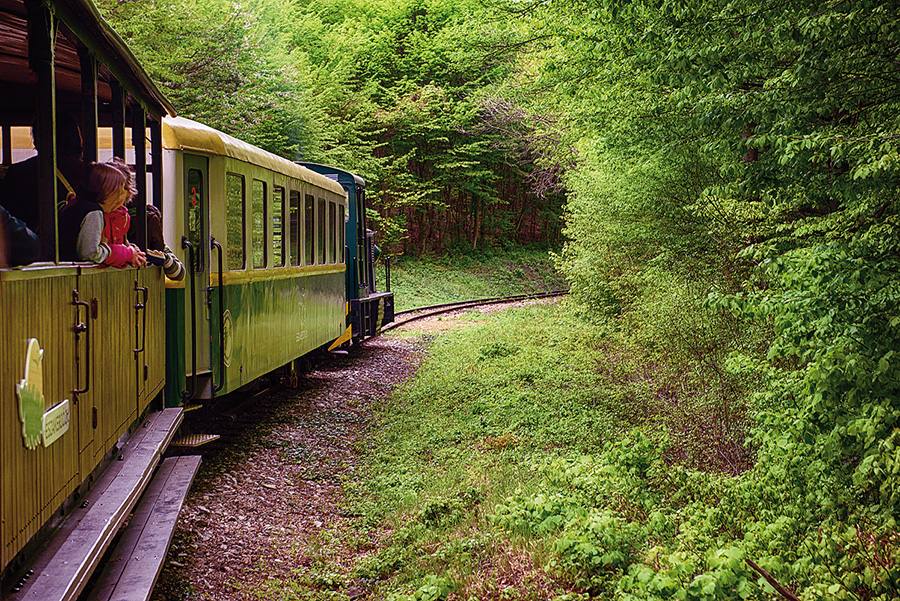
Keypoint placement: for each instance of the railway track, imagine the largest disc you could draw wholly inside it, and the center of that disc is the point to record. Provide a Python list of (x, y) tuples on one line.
[(432, 310)]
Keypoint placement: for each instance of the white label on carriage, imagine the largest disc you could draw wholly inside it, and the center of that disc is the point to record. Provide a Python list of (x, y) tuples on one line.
[(56, 422)]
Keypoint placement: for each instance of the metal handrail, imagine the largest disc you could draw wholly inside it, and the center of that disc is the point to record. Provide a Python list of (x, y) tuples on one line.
[(79, 328), (141, 307), (221, 384), (192, 388)]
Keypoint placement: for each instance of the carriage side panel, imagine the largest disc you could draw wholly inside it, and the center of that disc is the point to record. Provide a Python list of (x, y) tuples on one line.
[(113, 341), (34, 482), (151, 365)]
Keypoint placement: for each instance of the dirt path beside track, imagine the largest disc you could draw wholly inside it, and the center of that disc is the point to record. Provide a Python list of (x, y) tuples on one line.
[(272, 483)]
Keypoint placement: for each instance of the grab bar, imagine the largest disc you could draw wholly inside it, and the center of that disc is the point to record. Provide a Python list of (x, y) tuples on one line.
[(79, 328), (192, 388), (221, 384), (141, 306)]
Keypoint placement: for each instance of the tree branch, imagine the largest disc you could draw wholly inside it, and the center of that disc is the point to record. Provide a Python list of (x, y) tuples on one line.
[(781, 590)]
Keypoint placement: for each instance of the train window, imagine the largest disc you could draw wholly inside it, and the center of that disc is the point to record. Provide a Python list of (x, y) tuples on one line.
[(278, 225), (21, 146), (332, 232), (235, 220), (309, 230), (195, 208), (258, 214), (295, 227), (342, 233), (321, 223)]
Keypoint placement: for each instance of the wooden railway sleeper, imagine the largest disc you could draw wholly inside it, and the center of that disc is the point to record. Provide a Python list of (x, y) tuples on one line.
[(82, 327)]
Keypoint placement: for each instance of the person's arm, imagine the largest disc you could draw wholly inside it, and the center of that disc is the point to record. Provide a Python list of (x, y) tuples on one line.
[(120, 255), (88, 245), (24, 245), (173, 268)]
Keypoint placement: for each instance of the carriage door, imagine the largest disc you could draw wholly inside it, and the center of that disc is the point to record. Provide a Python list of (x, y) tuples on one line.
[(196, 315)]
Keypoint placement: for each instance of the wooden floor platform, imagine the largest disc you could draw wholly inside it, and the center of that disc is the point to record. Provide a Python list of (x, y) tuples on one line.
[(66, 563)]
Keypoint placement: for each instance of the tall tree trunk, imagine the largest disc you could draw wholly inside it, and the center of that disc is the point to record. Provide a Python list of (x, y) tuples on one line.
[(478, 219)]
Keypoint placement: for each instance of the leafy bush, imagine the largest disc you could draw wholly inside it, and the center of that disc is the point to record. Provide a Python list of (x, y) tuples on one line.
[(433, 589)]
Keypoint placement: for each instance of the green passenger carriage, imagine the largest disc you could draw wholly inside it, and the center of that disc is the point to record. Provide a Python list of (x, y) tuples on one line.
[(263, 239), (369, 309)]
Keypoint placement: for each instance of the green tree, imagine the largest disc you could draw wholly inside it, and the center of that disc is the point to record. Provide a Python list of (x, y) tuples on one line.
[(219, 63)]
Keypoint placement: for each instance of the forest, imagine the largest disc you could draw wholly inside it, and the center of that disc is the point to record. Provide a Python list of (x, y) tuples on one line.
[(718, 181)]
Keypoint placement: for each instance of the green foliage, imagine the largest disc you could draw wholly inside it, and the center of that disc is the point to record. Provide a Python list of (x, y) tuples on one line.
[(433, 589), (393, 91), (221, 63)]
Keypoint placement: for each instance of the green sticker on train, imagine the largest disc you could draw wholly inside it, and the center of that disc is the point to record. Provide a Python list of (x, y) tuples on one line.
[(31, 395), (37, 425)]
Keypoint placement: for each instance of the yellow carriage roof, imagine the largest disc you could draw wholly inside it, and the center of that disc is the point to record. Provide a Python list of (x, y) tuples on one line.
[(184, 134)]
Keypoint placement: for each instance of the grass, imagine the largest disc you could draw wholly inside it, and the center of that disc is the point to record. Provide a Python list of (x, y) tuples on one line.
[(422, 281), (490, 405)]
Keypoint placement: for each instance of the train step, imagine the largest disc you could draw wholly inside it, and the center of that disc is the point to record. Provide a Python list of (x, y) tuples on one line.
[(137, 560), (65, 564), (194, 440)]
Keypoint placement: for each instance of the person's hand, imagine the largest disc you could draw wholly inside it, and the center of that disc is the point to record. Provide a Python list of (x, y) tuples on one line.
[(138, 259)]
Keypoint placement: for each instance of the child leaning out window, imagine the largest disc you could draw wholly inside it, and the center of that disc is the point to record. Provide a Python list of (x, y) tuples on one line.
[(102, 221)]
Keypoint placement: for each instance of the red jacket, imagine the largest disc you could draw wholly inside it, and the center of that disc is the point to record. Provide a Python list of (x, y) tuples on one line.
[(114, 233)]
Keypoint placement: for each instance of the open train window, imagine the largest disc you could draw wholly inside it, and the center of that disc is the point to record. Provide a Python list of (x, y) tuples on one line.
[(342, 234), (322, 234), (309, 230), (278, 226), (195, 202), (295, 227), (21, 146), (332, 232), (235, 220), (258, 213)]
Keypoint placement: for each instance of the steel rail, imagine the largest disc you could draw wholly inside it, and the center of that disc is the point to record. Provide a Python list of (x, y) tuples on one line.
[(432, 310)]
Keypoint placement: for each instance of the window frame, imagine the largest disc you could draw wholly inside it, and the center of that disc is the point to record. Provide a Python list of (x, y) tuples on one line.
[(342, 232), (259, 239), (321, 231), (278, 258), (199, 262), (332, 232), (243, 242), (296, 233), (309, 229)]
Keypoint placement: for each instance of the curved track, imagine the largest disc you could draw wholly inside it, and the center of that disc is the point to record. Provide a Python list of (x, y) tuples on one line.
[(430, 311)]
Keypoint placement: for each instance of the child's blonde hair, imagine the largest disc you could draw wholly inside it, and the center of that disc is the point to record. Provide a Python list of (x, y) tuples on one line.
[(104, 179)]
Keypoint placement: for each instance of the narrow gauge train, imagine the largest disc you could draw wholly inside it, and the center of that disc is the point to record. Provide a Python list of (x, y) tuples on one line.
[(87, 351)]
